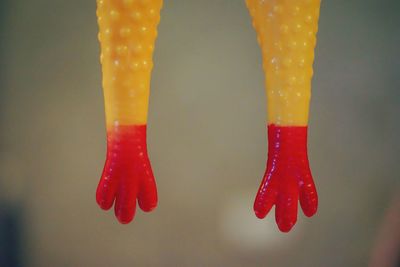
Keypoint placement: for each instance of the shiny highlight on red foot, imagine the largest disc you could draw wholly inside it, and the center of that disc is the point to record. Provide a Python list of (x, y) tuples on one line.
[(127, 174), (287, 178)]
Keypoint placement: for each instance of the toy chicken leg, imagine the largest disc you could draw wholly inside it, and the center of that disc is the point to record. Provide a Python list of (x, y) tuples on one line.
[(128, 30), (286, 31)]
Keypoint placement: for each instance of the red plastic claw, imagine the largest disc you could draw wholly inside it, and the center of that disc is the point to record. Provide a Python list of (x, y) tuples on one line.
[(127, 173), (287, 178)]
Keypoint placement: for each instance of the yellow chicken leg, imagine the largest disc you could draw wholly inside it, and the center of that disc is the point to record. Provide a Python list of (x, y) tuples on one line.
[(128, 30), (286, 31)]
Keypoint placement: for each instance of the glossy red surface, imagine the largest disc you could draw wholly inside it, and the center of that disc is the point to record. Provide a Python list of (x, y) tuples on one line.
[(287, 178), (127, 173)]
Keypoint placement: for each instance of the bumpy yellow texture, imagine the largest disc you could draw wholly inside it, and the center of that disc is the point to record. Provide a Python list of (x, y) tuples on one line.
[(286, 31), (128, 30)]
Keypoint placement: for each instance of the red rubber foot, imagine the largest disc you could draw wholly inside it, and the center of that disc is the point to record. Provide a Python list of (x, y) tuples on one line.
[(127, 173), (287, 177)]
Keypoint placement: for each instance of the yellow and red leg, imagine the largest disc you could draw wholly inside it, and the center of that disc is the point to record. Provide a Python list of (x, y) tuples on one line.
[(127, 33), (286, 31)]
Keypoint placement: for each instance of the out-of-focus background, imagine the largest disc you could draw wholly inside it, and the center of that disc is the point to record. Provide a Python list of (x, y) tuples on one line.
[(207, 140)]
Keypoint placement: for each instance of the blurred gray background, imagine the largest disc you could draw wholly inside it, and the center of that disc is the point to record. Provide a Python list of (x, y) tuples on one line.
[(207, 140)]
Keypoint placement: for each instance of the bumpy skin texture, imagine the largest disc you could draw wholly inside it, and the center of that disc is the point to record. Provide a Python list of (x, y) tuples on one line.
[(127, 33), (286, 31)]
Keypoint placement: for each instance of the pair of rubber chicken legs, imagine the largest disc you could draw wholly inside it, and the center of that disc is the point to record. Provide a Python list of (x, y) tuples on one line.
[(286, 31)]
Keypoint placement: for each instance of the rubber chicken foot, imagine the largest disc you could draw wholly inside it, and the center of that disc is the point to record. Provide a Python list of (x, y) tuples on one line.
[(287, 178), (127, 174)]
